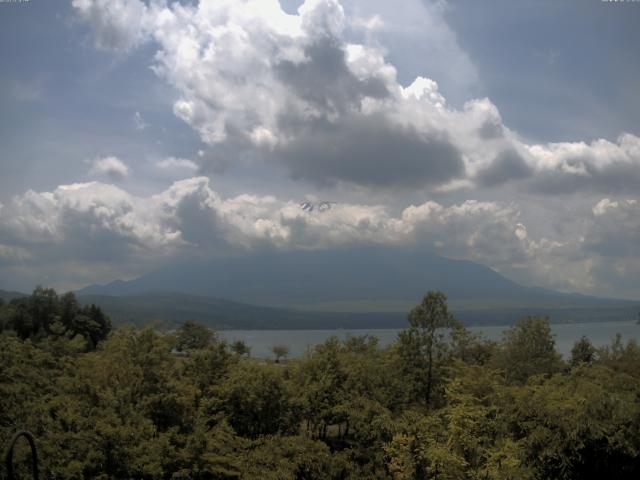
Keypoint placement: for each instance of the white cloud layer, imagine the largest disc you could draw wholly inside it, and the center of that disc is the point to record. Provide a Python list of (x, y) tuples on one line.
[(95, 223)]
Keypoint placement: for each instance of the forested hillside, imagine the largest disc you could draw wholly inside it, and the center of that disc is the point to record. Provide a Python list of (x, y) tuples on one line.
[(439, 403)]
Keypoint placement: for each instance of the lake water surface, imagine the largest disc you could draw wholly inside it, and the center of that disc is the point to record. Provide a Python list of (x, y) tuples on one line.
[(299, 341)]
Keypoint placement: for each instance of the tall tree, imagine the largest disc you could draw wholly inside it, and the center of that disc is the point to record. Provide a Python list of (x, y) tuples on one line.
[(193, 336), (528, 348), (423, 344), (583, 351), (280, 351)]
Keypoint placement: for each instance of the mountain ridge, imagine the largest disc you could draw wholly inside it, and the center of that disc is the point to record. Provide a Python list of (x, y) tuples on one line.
[(8, 295), (285, 279)]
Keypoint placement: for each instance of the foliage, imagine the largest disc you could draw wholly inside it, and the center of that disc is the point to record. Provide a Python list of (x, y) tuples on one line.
[(132, 407), (528, 349), (583, 351), (423, 349), (45, 313), (193, 336), (280, 351), (241, 348)]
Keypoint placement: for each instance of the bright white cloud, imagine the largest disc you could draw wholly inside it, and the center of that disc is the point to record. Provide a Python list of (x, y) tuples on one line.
[(190, 214), (598, 165), (110, 167)]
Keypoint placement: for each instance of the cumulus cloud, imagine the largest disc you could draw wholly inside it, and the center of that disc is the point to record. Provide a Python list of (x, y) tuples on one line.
[(615, 228), (99, 224), (86, 221), (259, 79), (111, 167), (296, 92), (172, 163), (343, 151), (190, 214), (601, 165), (506, 166), (316, 93), (117, 24)]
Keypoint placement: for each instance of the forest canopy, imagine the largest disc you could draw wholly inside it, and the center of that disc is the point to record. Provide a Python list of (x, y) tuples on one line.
[(438, 403)]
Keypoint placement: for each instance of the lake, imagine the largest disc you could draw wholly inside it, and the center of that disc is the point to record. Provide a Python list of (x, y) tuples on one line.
[(299, 341)]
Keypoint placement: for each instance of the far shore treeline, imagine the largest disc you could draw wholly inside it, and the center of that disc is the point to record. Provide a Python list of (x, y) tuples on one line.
[(438, 403)]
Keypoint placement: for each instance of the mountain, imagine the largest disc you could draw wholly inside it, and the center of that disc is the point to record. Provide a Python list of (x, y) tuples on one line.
[(9, 295), (350, 288), (375, 279), (283, 278)]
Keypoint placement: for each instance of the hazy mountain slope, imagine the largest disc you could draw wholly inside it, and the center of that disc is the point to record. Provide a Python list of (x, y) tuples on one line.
[(299, 278), (9, 295), (170, 309)]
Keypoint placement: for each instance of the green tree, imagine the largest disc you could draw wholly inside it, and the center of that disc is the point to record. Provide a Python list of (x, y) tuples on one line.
[(471, 348), (578, 425), (43, 307), (528, 349), (583, 351), (290, 457), (320, 378), (239, 347), (211, 451), (45, 314), (423, 347), (280, 351), (258, 401), (193, 336), (621, 357)]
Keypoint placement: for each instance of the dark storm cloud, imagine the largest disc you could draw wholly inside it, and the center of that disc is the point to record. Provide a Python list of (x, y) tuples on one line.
[(198, 223), (360, 149), (94, 237), (369, 151), (509, 165)]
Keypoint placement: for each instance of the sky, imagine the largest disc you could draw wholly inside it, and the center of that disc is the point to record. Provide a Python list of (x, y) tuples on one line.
[(136, 135)]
